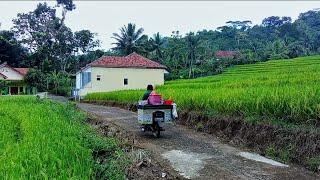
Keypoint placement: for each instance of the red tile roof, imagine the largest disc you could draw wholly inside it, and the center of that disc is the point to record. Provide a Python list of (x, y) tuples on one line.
[(133, 60), (225, 54), (4, 76), (22, 71)]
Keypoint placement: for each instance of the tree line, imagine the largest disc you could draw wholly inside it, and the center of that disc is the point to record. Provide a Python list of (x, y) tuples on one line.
[(41, 40), (194, 54)]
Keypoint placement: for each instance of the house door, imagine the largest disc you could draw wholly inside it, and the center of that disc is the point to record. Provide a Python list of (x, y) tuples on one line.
[(14, 90)]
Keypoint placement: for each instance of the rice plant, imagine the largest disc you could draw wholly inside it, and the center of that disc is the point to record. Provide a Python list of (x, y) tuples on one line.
[(287, 90), (47, 140)]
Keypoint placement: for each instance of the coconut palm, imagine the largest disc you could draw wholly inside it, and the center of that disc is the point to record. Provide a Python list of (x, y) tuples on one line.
[(192, 43), (157, 43), (127, 40)]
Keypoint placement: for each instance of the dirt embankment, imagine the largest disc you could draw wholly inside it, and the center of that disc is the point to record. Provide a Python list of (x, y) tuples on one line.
[(144, 165), (291, 145)]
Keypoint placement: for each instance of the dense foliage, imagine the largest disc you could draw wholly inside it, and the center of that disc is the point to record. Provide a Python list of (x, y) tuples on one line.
[(40, 39), (46, 140), (285, 90), (196, 55), (11, 50)]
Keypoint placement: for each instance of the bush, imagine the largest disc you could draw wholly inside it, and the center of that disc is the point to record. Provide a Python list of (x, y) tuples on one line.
[(36, 78), (3, 87), (60, 83)]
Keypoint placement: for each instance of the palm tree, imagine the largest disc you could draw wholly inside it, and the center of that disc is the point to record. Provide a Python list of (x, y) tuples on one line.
[(192, 43), (127, 40), (157, 42)]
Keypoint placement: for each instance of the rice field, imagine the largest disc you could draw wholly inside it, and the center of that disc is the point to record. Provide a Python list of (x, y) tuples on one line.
[(285, 90), (47, 140)]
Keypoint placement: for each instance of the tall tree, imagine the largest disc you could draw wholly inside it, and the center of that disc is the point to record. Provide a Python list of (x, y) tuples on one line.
[(175, 53), (36, 29), (308, 25), (50, 42), (10, 49), (157, 43), (67, 5), (85, 41), (64, 48), (192, 43), (127, 40), (275, 21)]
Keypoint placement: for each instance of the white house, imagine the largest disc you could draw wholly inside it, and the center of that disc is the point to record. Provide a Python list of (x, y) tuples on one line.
[(14, 78), (111, 73)]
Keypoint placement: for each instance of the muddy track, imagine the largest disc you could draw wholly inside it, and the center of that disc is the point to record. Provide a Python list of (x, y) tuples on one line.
[(198, 155)]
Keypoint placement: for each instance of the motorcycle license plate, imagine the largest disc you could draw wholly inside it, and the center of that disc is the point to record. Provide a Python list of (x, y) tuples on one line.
[(159, 119)]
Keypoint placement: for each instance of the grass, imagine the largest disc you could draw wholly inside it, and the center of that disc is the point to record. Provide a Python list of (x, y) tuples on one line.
[(283, 155), (47, 140), (285, 90), (314, 163)]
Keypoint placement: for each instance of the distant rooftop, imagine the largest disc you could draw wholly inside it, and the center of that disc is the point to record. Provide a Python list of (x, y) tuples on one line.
[(225, 54)]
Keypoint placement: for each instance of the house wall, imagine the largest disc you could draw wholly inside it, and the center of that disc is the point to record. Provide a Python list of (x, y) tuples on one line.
[(21, 88), (112, 79), (78, 80), (11, 74), (83, 88), (15, 82)]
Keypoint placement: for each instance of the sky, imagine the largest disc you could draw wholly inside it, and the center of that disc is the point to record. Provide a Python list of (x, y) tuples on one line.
[(106, 17)]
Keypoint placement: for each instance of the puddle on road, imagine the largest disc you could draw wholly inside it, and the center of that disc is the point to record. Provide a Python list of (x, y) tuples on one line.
[(188, 164), (259, 158)]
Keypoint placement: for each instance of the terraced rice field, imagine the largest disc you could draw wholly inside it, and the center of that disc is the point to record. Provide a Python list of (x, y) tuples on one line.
[(47, 140), (281, 90)]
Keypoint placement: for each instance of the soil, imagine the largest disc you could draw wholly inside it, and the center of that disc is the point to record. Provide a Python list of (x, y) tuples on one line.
[(299, 144), (194, 155), (145, 165), (295, 145)]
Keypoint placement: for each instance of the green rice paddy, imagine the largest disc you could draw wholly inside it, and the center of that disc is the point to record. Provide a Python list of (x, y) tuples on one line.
[(47, 140), (285, 90)]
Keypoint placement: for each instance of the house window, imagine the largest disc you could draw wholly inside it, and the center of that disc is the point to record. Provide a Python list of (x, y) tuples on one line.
[(85, 78), (21, 89), (125, 81), (98, 77)]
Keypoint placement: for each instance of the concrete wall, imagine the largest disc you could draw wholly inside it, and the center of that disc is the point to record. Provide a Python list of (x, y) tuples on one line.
[(112, 79), (11, 74)]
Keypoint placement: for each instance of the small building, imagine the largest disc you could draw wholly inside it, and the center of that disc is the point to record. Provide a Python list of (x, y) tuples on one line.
[(13, 79), (111, 73), (226, 54)]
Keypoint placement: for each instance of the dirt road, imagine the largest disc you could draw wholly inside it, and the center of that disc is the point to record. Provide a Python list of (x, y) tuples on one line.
[(199, 156)]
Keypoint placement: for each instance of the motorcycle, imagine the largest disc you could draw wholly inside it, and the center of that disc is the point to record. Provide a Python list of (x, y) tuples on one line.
[(152, 117)]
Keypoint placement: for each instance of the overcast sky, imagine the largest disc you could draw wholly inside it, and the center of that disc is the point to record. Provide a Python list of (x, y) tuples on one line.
[(106, 17)]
